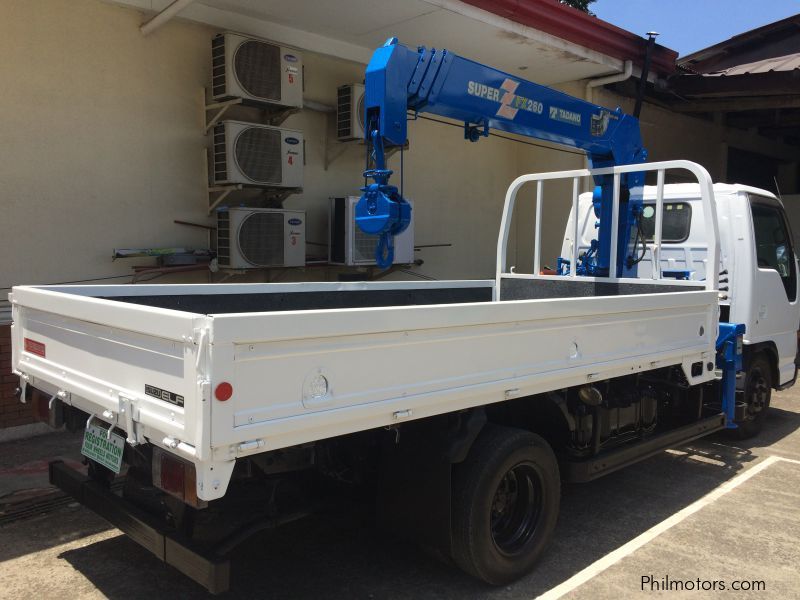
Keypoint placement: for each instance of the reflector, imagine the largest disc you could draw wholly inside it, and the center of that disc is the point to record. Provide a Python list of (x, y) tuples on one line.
[(173, 475), (223, 391)]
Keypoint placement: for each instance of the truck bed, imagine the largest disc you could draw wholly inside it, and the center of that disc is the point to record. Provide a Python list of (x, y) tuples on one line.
[(311, 361)]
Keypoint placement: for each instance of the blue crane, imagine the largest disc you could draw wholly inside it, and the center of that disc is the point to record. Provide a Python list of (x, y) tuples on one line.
[(400, 80)]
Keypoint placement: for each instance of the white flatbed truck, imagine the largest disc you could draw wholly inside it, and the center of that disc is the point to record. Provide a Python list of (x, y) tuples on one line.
[(464, 403)]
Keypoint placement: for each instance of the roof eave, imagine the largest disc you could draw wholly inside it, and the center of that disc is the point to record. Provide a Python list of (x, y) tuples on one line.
[(580, 28)]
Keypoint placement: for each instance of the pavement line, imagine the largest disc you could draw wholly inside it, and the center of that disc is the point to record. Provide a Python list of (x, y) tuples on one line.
[(633, 545)]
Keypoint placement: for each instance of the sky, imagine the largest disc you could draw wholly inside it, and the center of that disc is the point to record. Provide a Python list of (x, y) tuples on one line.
[(690, 25)]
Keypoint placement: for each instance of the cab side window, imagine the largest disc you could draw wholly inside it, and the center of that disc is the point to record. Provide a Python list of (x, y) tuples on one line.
[(773, 245)]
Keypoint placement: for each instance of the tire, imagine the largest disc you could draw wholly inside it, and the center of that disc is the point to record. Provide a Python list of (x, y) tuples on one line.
[(505, 504), (757, 395)]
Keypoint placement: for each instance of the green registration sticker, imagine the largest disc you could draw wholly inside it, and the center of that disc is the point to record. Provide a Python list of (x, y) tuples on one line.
[(102, 449)]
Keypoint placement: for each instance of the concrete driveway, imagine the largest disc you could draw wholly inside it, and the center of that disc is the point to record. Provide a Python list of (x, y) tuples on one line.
[(712, 514)]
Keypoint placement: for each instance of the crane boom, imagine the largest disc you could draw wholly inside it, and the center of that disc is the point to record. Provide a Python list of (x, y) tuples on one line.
[(399, 80)]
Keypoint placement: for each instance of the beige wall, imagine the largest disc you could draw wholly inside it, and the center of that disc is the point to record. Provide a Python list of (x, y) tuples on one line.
[(102, 145), (101, 137), (102, 142), (670, 135)]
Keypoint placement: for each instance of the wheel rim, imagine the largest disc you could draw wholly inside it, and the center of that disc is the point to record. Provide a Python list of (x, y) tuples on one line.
[(758, 394), (516, 508)]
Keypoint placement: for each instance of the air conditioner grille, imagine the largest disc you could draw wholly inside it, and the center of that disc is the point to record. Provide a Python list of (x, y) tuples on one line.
[(220, 154), (261, 238), (223, 238), (218, 66), (258, 69), (258, 154), (344, 125)]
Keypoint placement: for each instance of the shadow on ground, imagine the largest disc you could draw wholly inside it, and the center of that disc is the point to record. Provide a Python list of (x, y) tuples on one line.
[(48, 530), (342, 555)]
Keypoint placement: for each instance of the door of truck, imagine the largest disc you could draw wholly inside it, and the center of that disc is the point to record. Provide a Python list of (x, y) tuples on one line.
[(776, 314)]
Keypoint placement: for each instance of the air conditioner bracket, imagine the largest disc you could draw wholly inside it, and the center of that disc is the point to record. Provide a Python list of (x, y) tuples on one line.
[(223, 191), (221, 108)]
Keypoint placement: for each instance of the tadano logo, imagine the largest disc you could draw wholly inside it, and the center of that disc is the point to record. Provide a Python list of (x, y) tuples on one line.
[(565, 116), (510, 102)]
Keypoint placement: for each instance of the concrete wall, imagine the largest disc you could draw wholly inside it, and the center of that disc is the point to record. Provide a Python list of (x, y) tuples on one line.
[(670, 135), (103, 146), (101, 134)]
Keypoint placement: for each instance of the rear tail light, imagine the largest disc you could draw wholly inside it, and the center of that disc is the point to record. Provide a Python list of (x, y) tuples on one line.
[(175, 476)]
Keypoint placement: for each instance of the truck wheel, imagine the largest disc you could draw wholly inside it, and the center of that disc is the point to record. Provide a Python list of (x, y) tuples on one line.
[(505, 504), (757, 394)]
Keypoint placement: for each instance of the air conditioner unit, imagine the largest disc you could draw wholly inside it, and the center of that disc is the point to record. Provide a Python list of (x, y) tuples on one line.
[(259, 72), (350, 112), (350, 246), (249, 238), (258, 155)]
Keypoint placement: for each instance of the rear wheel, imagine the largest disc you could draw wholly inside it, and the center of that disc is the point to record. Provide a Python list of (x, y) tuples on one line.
[(757, 395), (505, 504)]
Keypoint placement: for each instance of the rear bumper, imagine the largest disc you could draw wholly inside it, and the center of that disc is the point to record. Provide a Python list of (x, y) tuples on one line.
[(211, 573)]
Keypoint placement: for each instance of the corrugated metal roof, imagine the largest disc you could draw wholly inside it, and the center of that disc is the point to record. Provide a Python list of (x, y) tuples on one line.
[(759, 35), (789, 62)]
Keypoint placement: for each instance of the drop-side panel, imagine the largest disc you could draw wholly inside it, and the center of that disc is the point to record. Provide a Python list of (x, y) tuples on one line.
[(97, 356), (300, 376)]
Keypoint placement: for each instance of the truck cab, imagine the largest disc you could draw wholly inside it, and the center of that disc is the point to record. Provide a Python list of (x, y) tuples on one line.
[(758, 269)]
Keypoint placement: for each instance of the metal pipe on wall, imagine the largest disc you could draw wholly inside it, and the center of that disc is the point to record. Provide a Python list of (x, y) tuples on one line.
[(615, 78)]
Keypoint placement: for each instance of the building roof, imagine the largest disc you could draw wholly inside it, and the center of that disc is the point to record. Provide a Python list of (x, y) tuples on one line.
[(565, 22), (780, 38), (542, 40), (753, 77), (790, 62)]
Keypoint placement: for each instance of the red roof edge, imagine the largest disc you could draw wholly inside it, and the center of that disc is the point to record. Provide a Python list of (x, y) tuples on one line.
[(577, 27)]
